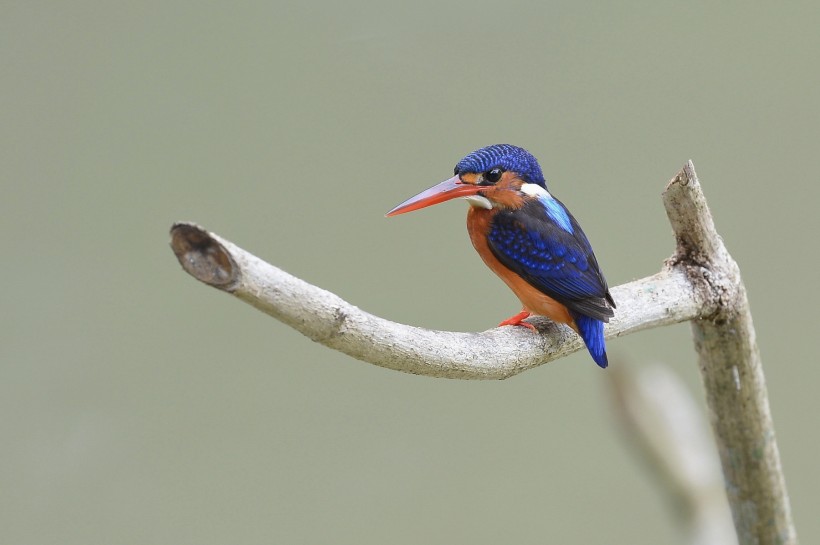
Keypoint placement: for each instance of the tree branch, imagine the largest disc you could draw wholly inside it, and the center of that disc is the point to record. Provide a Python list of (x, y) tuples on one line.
[(700, 283), (662, 299), (731, 370)]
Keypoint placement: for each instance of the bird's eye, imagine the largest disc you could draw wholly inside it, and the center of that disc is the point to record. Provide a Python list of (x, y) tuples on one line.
[(493, 175)]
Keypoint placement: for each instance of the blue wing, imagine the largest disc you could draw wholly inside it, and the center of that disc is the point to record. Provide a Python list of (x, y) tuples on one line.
[(544, 244)]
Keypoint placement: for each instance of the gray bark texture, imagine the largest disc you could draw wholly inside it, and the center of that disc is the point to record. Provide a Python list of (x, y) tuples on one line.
[(731, 370)]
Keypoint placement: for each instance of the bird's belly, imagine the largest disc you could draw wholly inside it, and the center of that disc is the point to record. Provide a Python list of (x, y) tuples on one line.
[(478, 222)]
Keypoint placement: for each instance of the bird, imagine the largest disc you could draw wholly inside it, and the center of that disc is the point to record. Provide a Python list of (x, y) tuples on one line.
[(529, 239)]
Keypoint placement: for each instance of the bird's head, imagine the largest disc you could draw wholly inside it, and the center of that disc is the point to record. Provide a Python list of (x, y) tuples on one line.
[(499, 176)]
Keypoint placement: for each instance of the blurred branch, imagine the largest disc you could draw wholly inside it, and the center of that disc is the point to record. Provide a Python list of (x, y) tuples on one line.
[(700, 283), (669, 431)]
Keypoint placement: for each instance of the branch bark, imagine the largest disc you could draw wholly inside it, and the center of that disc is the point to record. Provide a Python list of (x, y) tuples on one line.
[(662, 299), (700, 282), (731, 370)]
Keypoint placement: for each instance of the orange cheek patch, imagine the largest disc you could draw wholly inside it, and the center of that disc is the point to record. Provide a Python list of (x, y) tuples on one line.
[(506, 198), (506, 191)]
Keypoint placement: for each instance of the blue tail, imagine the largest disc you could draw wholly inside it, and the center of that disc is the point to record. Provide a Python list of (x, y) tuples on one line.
[(592, 331)]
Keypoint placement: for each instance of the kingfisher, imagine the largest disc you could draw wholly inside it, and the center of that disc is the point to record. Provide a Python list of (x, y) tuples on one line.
[(529, 239)]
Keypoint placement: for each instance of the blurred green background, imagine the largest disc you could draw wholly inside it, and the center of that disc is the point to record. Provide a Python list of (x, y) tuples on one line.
[(139, 406)]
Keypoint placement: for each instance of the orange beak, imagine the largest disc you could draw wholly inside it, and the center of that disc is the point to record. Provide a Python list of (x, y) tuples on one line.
[(445, 191)]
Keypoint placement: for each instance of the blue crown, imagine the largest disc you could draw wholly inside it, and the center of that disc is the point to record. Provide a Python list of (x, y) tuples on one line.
[(507, 157)]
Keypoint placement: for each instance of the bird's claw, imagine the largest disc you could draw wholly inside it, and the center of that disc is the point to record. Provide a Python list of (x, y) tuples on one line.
[(518, 320)]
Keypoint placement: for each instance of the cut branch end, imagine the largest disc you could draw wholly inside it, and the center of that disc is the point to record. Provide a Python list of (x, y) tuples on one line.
[(202, 256)]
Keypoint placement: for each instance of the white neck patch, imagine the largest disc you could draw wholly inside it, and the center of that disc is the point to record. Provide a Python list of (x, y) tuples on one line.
[(479, 202), (535, 190), (554, 210)]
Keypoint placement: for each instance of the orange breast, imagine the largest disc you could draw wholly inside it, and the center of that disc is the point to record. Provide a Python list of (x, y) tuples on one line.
[(478, 225)]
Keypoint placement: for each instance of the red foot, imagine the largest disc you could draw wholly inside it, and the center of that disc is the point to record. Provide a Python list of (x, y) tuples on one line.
[(518, 320)]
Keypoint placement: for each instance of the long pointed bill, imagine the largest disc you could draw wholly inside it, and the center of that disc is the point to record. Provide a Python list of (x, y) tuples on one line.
[(445, 191)]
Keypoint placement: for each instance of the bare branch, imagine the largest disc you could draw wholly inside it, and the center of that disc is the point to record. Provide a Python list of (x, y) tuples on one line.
[(661, 299), (731, 370)]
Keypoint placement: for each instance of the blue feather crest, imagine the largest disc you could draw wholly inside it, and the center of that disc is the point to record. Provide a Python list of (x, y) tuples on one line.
[(506, 156)]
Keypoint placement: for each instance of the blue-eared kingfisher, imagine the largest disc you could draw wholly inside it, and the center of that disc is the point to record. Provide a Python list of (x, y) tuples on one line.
[(529, 239)]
